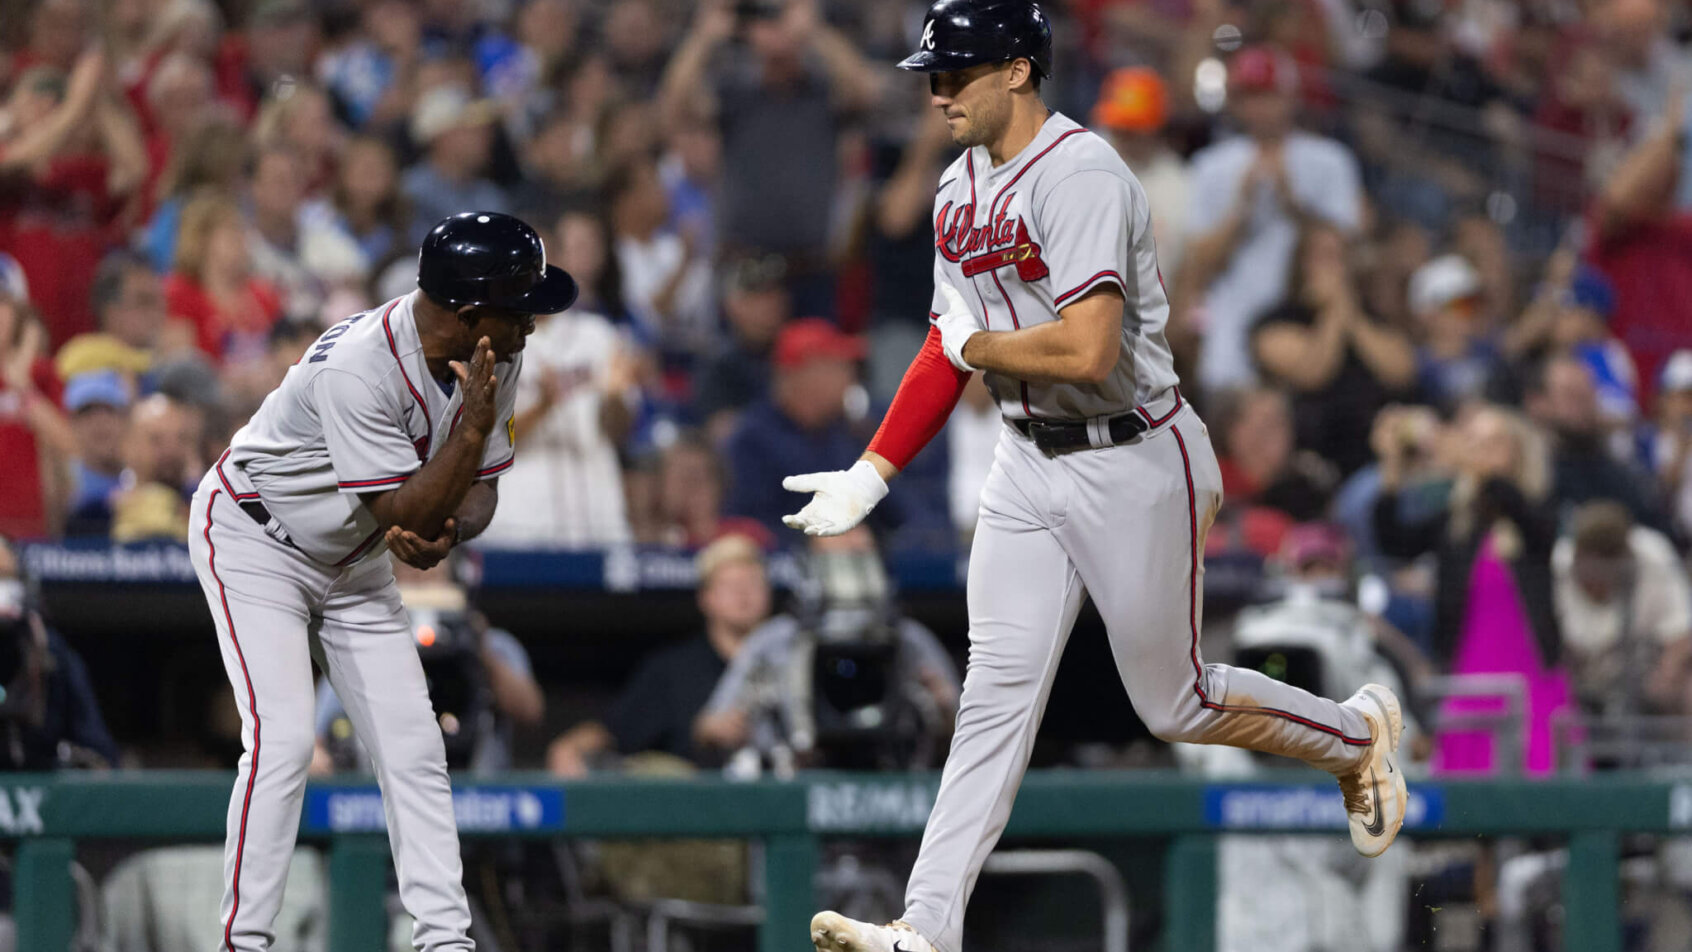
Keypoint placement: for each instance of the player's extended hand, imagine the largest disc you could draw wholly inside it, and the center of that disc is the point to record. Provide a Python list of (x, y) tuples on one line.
[(478, 384), (843, 498), (418, 552), (957, 325)]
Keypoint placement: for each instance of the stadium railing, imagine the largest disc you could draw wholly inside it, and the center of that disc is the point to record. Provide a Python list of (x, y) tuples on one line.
[(48, 814)]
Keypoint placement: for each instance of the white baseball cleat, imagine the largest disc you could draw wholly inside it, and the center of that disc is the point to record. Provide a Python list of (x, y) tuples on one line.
[(833, 932), (1375, 794)]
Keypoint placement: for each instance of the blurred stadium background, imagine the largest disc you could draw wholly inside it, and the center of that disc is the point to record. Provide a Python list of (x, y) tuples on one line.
[(1442, 334)]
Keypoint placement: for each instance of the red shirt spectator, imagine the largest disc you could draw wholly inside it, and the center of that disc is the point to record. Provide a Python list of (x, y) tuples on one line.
[(31, 428), (212, 287)]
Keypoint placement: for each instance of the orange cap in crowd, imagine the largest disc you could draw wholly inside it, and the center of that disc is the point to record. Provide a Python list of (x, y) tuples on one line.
[(1132, 99)]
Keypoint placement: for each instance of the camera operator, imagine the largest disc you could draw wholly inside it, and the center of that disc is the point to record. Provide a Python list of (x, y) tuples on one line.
[(480, 680), (843, 680), (49, 718)]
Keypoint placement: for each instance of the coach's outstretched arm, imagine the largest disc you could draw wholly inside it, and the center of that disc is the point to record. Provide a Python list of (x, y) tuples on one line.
[(439, 490), (924, 400)]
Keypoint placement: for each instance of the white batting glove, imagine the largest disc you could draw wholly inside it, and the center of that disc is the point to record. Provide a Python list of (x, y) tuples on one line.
[(843, 498), (957, 325)]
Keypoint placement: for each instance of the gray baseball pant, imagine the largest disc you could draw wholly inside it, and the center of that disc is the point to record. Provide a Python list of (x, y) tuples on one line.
[(1125, 524), (275, 609)]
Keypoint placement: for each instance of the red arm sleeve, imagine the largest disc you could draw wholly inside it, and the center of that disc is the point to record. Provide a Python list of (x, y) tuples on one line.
[(925, 399)]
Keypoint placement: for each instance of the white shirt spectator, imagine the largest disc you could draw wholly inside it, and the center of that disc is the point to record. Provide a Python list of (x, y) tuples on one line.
[(646, 268), (1323, 177), (1165, 180), (567, 483), (1662, 597)]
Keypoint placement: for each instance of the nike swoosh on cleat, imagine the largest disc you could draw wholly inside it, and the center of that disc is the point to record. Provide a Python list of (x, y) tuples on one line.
[(899, 948), (1377, 826)]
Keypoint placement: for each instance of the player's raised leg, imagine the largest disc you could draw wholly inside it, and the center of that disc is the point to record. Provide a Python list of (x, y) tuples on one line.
[(1141, 554), (247, 577), (373, 664)]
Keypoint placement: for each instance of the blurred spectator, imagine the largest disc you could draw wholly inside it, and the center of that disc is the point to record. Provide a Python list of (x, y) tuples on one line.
[(1431, 120), (666, 282), (129, 306), (278, 246), (692, 170), (756, 306), (211, 159), (1570, 313), (162, 464), (779, 111), (691, 484), (98, 403), (1671, 442), (1459, 358), (1249, 195), (656, 709), (1563, 399), (365, 204), (634, 38), (1340, 364), (1132, 108), (456, 135), (576, 401), (51, 719), (800, 427), (58, 31), (300, 119), (1398, 249), (36, 442), (276, 47), (176, 103), (972, 440), (1625, 608), (213, 288), (1580, 124), (480, 679), (1646, 60), (1261, 467), (557, 175), (1493, 594), (1643, 244), (70, 157), (525, 65), (373, 77), (898, 246), (1496, 510), (802, 683)]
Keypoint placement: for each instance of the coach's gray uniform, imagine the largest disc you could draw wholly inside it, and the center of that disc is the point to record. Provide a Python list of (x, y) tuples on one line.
[(360, 412), (1124, 523)]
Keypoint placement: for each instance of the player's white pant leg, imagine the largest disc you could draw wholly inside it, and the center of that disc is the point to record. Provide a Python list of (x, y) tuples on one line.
[(373, 664), (1136, 534), (1023, 597), (258, 591)]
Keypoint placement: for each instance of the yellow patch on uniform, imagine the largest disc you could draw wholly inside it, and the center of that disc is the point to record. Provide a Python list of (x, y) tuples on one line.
[(511, 430)]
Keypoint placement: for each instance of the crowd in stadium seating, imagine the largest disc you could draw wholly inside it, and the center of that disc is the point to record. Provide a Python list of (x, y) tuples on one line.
[(1429, 266)]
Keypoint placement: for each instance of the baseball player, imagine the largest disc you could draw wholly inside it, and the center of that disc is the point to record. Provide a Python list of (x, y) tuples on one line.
[(1103, 483), (389, 434)]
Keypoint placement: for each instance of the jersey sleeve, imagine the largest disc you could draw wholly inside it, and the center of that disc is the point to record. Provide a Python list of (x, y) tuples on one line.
[(367, 442), (1087, 226), (500, 451)]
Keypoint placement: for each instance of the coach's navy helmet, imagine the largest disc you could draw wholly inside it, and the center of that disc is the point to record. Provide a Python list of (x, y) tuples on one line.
[(494, 260), (957, 34)]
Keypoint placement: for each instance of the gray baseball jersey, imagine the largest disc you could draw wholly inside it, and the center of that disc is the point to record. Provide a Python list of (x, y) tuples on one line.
[(1025, 239), (359, 412)]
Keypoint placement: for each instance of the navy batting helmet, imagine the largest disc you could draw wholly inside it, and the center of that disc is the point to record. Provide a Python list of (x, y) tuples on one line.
[(485, 258), (961, 33)]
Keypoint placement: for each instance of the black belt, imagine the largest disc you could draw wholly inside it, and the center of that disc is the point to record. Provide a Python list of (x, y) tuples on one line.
[(254, 508), (1067, 436)]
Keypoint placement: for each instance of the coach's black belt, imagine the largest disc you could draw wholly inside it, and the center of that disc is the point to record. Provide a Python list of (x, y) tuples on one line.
[(254, 508), (1066, 436)]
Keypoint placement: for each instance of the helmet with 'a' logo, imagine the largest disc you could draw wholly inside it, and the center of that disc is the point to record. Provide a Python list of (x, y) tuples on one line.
[(957, 34)]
